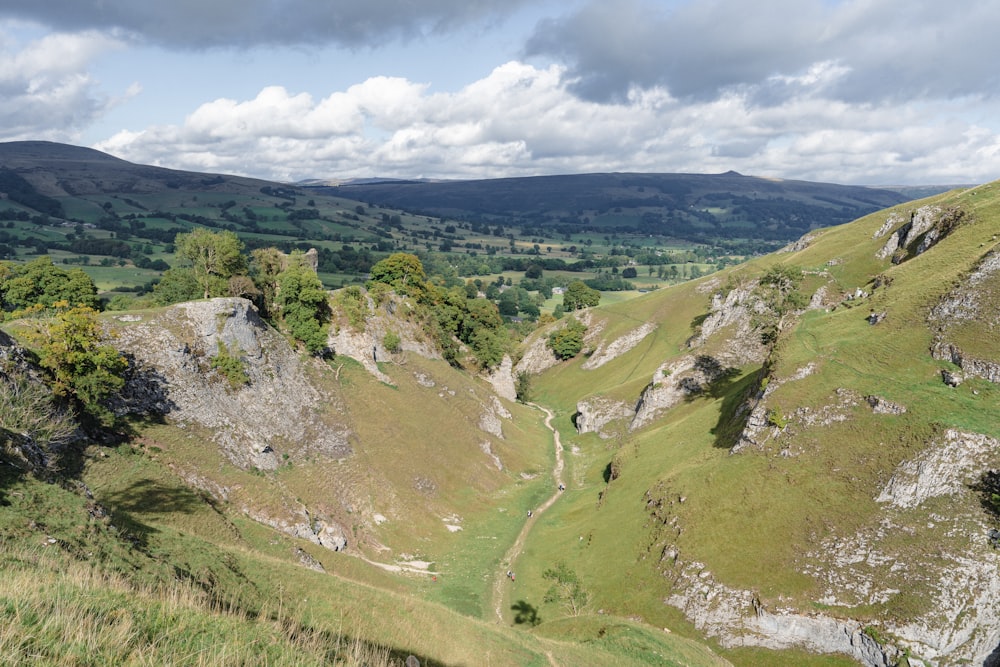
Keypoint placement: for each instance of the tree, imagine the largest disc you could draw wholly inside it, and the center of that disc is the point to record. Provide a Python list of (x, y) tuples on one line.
[(629, 272), (567, 341), (215, 257), (403, 272), (522, 387), (266, 264), (175, 286), (578, 295), (303, 303), (82, 367), (566, 589), (40, 282)]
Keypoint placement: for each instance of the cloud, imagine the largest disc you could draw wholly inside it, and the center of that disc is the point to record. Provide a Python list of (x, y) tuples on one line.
[(887, 50), (45, 89), (525, 120), (199, 24)]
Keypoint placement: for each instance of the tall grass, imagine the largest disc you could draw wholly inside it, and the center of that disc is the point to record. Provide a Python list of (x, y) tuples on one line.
[(59, 612)]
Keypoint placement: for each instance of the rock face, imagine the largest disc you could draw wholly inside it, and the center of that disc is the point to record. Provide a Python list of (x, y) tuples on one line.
[(946, 468), (605, 353), (367, 344), (596, 412), (971, 304), (927, 226), (171, 374)]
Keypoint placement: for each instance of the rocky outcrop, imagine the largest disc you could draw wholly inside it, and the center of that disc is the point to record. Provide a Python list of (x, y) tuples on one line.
[(960, 576), (502, 379), (733, 312), (253, 425), (947, 467), (738, 618), (972, 302), (327, 534), (596, 412), (619, 346), (490, 420), (927, 226)]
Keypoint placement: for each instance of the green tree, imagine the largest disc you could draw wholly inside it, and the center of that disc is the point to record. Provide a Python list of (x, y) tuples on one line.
[(176, 285), (82, 367), (403, 272), (214, 256), (566, 589), (40, 282), (567, 341), (303, 304), (522, 387), (578, 295), (265, 265)]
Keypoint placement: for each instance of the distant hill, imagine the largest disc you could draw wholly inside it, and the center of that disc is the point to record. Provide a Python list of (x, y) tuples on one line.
[(60, 170), (697, 207)]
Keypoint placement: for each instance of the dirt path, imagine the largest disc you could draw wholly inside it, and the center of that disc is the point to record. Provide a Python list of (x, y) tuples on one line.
[(515, 550)]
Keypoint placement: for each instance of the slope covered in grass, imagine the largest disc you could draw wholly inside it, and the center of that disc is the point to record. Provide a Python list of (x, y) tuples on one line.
[(791, 485)]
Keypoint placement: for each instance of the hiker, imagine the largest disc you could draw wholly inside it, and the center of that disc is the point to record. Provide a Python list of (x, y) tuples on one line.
[(512, 576), (529, 514), (562, 487), (509, 574)]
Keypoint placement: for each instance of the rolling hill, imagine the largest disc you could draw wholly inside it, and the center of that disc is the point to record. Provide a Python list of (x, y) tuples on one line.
[(694, 207), (792, 461)]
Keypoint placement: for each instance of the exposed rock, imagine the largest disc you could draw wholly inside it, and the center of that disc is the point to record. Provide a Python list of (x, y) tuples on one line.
[(487, 449), (874, 318), (663, 391), (327, 534), (988, 370), (367, 345), (489, 419), (502, 379), (672, 383), (619, 346), (928, 224), (734, 312), (171, 351), (537, 355), (801, 244), (944, 468), (595, 412), (951, 378), (738, 618), (883, 406)]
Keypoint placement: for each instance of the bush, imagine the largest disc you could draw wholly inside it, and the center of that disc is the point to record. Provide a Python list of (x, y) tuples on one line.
[(567, 341), (231, 366), (82, 367), (391, 342)]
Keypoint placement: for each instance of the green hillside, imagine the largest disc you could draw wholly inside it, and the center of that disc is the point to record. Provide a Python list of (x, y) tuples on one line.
[(791, 461)]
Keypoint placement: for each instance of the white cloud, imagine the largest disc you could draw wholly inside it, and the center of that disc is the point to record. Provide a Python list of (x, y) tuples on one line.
[(46, 91), (523, 120)]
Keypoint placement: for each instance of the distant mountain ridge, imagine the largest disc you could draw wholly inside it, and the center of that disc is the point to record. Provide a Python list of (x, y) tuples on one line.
[(690, 206)]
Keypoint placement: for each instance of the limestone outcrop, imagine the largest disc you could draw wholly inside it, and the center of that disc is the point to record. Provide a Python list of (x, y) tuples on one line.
[(171, 374)]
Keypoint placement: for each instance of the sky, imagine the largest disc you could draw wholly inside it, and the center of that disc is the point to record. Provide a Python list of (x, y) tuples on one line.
[(871, 92)]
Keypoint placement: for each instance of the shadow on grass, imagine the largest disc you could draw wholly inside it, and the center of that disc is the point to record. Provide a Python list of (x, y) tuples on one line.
[(988, 488), (733, 414), (525, 613)]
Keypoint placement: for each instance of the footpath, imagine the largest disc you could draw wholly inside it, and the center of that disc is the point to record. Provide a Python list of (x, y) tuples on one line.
[(501, 584)]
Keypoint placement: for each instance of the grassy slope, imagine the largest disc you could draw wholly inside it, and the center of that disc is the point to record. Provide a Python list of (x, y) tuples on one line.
[(752, 517)]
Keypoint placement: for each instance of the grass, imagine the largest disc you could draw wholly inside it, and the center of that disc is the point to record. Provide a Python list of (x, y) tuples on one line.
[(753, 518)]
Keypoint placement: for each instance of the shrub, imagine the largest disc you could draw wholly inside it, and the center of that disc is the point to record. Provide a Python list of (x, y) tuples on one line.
[(391, 342), (231, 366), (567, 341)]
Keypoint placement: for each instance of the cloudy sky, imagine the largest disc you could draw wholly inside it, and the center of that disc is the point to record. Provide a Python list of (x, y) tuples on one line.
[(846, 91)]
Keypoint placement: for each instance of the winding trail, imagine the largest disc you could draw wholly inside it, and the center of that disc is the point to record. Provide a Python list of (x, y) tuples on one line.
[(515, 549)]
